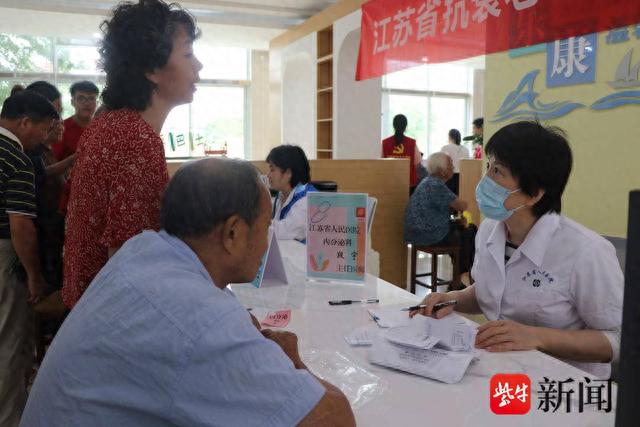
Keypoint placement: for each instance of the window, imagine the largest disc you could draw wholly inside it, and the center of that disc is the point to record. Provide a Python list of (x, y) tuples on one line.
[(25, 59), (25, 54), (224, 63), (435, 98), (77, 59), (214, 124)]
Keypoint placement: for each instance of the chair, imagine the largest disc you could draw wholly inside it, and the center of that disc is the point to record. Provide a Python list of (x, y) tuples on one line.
[(435, 251), (327, 186)]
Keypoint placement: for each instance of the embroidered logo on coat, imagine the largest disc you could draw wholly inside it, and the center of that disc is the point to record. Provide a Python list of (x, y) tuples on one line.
[(538, 278)]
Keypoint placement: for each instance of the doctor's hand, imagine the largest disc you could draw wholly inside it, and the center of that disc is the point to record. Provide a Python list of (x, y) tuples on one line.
[(507, 335), (431, 300)]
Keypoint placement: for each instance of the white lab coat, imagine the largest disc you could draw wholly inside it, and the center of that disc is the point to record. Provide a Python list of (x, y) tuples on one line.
[(563, 276), (294, 225), (457, 153)]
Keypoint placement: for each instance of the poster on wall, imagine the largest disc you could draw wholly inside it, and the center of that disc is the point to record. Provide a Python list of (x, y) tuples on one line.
[(398, 34), (337, 236)]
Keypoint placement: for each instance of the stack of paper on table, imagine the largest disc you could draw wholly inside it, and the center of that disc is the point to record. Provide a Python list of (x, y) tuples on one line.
[(442, 365), (410, 345), (362, 336)]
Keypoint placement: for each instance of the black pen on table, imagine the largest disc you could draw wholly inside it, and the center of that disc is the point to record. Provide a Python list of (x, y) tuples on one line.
[(435, 307), (350, 301)]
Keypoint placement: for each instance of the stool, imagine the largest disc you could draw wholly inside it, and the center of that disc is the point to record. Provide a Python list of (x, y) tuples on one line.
[(434, 251)]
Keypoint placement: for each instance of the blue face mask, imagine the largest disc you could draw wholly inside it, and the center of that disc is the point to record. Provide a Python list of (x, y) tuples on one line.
[(491, 196)]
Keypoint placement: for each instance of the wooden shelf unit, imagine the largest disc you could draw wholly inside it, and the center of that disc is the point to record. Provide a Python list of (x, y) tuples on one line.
[(325, 130), (324, 125)]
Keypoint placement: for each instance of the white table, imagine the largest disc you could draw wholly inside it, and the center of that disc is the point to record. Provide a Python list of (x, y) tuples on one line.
[(400, 398)]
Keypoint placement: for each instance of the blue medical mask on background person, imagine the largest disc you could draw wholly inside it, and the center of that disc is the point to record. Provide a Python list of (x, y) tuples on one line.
[(491, 196)]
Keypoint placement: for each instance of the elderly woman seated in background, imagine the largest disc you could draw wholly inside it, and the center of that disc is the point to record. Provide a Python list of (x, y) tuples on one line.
[(427, 219)]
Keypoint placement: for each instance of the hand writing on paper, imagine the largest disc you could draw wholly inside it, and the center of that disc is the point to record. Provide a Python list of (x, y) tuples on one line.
[(506, 335), (288, 342), (431, 300)]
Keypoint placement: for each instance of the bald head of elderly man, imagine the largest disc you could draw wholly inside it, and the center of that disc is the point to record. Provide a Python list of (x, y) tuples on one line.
[(158, 340)]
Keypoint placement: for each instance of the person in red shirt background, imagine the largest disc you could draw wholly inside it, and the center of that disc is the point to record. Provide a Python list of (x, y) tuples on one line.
[(401, 146), (84, 97)]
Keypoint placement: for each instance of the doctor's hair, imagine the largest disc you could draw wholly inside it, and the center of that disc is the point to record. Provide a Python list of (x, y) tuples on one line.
[(291, 157), (539, 157), (479, 122), (207, 192)]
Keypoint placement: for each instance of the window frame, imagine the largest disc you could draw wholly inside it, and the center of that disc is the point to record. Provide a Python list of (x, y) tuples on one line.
[(428, 95), (57, 78)]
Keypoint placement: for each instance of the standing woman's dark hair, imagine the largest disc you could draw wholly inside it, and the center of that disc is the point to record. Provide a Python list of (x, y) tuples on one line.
[(293, 158), (399, 127), (454, 135), (138, 40)]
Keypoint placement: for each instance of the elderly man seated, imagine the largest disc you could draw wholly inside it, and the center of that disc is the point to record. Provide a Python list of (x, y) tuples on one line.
[(157, 340), (427, 219)]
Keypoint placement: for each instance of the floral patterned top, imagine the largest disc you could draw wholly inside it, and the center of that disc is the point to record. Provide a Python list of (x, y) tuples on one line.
[(427, 217), (117, 184)]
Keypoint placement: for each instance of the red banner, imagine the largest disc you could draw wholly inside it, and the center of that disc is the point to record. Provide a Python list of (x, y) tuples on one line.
[(398, 34)]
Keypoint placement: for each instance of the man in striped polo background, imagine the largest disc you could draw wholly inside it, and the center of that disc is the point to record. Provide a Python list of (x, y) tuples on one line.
[(25, 120)]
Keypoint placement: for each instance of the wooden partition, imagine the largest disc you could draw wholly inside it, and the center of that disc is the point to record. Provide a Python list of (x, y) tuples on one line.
[(470, 174), (385, 179)]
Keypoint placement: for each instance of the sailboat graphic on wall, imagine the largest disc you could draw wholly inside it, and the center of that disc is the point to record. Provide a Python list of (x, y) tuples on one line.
[(626, 75)]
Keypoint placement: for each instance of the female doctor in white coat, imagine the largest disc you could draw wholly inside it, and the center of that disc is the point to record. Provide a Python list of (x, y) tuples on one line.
[(544, 281), (289, 175)]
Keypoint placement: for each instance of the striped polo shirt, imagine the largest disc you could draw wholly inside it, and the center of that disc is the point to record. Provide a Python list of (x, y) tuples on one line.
[(17, 189)]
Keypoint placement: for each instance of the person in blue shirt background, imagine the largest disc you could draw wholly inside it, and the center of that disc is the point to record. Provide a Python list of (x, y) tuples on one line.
[(289, 175), (156, 340)]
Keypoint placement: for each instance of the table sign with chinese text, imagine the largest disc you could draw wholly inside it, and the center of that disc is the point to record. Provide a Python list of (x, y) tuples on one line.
[(271, 271), (336, 236)]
